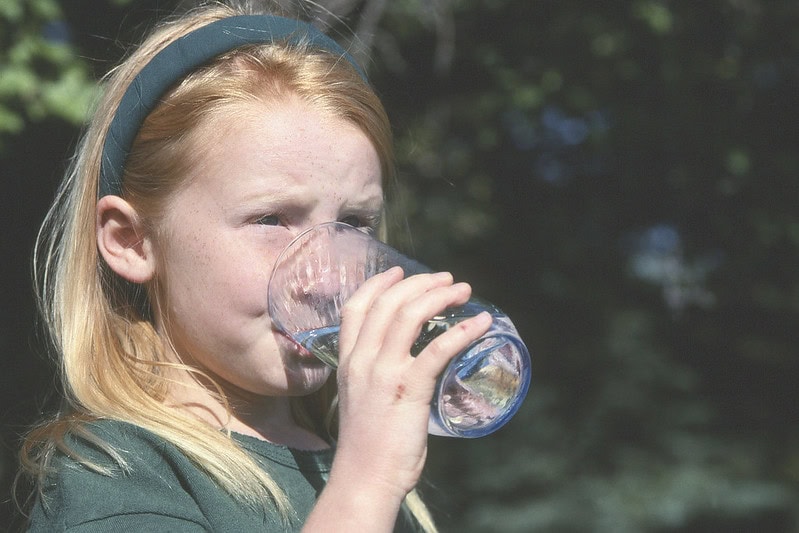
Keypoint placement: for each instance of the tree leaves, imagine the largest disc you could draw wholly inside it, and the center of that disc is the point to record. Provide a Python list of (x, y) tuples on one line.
[(41, 74)]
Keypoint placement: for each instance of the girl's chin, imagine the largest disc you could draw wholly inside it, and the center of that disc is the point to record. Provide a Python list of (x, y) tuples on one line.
[(305, 373), (306, 379)]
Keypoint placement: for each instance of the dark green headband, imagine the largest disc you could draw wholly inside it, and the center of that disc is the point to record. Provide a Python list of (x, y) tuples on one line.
[(181, 57)]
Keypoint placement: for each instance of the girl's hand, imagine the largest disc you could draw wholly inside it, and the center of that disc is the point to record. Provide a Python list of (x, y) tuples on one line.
[(384, 392)]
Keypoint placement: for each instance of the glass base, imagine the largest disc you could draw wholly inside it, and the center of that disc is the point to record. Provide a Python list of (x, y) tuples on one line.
[(483, 388)]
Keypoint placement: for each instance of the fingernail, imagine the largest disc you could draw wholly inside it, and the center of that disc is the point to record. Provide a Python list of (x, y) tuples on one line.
[(485, 317)]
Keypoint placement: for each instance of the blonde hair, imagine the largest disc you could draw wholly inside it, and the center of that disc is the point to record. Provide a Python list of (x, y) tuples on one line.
[(111, 358)]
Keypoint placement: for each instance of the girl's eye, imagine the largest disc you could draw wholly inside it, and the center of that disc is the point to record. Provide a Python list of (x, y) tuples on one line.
[(365, 223), (353, 221), (269, 220)]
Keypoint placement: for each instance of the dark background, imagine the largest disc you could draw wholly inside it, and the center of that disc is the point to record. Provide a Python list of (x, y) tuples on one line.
[(620, 177)]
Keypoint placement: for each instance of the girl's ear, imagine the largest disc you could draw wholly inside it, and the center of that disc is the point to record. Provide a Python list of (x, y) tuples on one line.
[(122, 240)]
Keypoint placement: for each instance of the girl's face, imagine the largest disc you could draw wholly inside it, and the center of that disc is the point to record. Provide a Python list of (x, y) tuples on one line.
[(268, 173)]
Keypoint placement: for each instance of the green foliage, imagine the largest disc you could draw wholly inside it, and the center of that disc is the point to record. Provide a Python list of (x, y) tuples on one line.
[(41, 74), (620, 177)]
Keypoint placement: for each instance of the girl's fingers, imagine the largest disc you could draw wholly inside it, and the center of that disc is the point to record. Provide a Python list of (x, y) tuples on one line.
[(354, 311), (435, 357), (373, 309), (408, 320)]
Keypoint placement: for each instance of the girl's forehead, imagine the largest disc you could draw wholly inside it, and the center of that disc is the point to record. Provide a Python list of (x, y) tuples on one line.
[(289, 124), (263, 150)]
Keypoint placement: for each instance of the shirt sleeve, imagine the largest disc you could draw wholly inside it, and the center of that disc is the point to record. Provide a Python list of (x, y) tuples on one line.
[(137, 522), (157, 489)]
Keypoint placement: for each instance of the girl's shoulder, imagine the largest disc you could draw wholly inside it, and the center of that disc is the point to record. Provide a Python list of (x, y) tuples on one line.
[(116, 476), (111, 475), (116, 450)]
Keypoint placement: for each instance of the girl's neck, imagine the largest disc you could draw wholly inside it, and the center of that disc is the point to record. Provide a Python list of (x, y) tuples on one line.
[(271, 419), (267, 418)]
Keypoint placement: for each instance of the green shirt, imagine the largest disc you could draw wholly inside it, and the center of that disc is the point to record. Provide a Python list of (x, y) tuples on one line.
[(164, 491)]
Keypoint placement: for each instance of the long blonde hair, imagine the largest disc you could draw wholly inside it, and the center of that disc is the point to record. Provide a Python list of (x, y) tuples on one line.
[(111, 359)]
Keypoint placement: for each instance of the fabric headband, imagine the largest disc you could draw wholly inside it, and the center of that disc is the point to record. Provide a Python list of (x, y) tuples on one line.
[(181, 57)]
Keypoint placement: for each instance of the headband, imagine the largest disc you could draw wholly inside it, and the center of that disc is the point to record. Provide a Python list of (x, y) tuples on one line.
[(181, 57)]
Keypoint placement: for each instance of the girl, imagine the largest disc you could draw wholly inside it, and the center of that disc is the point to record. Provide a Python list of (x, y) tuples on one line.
[(225, 134)]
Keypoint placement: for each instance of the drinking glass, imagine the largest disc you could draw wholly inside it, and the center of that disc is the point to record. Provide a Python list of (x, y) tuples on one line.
[(483, 386)]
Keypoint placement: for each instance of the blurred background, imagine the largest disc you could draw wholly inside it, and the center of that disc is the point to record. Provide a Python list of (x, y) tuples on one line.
[(619, 176)]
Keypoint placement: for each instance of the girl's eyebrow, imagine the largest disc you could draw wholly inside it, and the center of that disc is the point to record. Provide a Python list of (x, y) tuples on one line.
[(282, 193), (371, 203)]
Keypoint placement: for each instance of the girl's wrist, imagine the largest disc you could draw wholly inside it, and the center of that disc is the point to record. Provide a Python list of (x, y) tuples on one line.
[(356, 501)]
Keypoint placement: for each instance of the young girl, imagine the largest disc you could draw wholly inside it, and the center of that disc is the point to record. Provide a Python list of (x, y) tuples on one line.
[(220, 138)]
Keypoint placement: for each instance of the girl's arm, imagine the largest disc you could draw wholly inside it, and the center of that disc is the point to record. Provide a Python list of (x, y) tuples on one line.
[(385, 395)]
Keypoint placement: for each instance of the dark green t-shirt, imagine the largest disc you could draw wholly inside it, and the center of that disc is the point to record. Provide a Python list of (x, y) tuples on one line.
[(164, 491)]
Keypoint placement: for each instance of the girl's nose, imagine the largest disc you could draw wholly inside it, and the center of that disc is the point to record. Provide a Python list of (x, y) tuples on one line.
[(316, 275)]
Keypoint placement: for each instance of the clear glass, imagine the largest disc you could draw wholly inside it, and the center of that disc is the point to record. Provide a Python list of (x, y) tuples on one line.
[(481, 389)]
